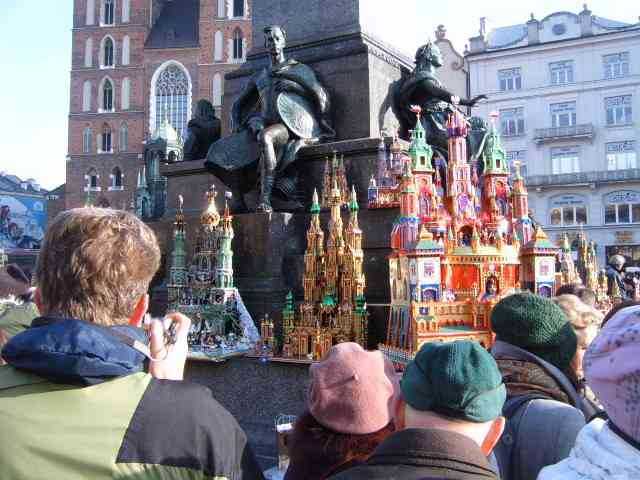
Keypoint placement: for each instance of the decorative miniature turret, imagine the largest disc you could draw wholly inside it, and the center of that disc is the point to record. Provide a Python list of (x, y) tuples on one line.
[(288, 315), (224, 260), (314, 255), (495, 179), (419, 150), (568, 272), (206, 252), (334, 175), (538, 258), (372, 192), (178, 271), (460, 188), (382, 162), (405, 230), (522, 223)]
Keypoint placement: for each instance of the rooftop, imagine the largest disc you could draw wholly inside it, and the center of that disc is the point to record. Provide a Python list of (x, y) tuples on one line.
[(177, 25), (556, 26), (12, 183)]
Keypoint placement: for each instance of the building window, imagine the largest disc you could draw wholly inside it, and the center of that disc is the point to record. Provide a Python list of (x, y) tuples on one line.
[(106, 139), (108, 10), (107, 95), (126, 11), (561, 72), (88, 52), (171, 89), (238, 8), (563, 114), (512, 121), (622, 207), (92, 179), (124, 138), (86, 96), (565, 160), (91, 12), (216, 97), (621, 155), (116, 179), (238, 53), (218, 46), (126, 48), (125, 93), (618, 109), (517, 156), (616, 65), (568, 210), (107, 52), (86, 140), (510, 79)]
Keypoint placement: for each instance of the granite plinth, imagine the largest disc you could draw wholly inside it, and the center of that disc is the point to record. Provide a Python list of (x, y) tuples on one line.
[(255, 393)]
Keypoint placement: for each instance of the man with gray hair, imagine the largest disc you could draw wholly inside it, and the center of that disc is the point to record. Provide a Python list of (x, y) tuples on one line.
[(615, 275)]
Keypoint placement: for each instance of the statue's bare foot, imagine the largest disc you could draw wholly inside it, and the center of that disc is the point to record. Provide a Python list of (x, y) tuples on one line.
[(264, 208)]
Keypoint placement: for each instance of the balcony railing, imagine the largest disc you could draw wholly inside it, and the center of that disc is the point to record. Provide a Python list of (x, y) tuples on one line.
[(543, 135), (605, 176)]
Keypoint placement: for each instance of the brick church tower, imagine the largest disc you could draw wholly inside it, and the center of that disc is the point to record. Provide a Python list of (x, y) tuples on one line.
[(135, 63)]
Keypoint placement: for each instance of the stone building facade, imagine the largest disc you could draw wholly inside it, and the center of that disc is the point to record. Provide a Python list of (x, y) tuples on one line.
[(567, 88), (135, 63)]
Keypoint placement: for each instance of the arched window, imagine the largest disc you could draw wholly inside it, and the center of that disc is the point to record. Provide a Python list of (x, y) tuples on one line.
[(107, 95), (88, 52), (116, 179), (171, 97), (221, 9), (126, 44), (238, 44), (90, 12), (92, 179), (86, 96), (216, 97), (106, 139), (218, 46), (125, 93), (568, 210), (622, 207), (86, 140), (108, 12), (238, 8), (107, 52), (124, 138), (126, 11)]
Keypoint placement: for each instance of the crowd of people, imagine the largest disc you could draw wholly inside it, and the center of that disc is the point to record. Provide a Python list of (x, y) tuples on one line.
[(87, 392)]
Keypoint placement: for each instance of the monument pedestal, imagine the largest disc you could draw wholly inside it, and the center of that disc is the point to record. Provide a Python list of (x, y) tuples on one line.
[(269, 249)]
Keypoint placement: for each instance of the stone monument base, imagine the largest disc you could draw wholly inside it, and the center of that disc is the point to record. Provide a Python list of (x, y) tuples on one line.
[(269, 249), (255, 393)]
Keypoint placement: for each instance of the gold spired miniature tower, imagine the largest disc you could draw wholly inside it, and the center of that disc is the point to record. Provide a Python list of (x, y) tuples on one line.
[(334, 307)]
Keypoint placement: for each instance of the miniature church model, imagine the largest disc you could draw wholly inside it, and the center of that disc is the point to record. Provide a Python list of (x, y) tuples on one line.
[(333, 309), (203, 288), (462, 241)]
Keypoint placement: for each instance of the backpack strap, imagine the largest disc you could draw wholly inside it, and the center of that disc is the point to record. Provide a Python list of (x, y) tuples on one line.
[(507, 445)]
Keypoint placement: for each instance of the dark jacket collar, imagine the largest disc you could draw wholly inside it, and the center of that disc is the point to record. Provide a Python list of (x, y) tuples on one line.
[(70, 351), (438, 449)]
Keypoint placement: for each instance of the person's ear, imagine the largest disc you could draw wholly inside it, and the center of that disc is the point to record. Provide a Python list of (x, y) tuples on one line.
[(135, 320), (37, 299), (493, 436)]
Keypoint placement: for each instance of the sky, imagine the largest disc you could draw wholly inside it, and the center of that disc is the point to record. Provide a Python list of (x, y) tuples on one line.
[(35, 48)]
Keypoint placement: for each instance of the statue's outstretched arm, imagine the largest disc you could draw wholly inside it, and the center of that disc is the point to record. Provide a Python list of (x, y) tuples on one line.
[(446, 96)]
